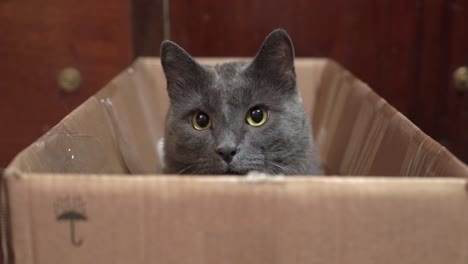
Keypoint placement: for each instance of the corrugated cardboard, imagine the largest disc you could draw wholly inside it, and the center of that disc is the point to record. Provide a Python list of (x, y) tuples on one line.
[(70, 198), (225, 220)]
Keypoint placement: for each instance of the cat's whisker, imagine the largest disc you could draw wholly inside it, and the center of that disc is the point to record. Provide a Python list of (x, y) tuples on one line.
[(204, 168), (184, 169), (283, 168), (271, 172)]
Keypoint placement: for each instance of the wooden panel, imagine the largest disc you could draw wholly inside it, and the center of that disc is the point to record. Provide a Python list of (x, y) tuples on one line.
[(148, 32), (427, 91), (37, 40), (438, 108), (398, 47), (454, 123)]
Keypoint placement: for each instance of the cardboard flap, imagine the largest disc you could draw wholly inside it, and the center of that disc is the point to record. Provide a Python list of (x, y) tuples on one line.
[(359, 133), (82, 142), (105, 219), (115, 131)]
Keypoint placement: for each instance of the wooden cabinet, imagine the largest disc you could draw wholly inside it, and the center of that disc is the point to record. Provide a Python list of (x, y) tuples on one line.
[(406, 50), (40, 38)]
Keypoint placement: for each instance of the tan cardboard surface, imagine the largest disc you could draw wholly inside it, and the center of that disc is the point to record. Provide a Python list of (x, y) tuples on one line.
[(357, 132), (233, 220)]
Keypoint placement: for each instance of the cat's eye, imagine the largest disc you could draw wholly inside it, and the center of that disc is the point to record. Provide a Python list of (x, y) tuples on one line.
[(256, 116), (201, 121)]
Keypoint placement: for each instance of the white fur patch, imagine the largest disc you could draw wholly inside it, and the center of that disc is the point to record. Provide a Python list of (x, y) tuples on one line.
[(160, 150), (261, 176)]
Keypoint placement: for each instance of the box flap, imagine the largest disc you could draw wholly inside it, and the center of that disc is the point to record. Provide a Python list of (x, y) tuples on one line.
[(359, 133), (105, 219)]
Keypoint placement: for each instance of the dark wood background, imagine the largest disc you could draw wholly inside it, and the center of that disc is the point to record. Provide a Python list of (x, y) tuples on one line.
[(406, 50), (37, 40)]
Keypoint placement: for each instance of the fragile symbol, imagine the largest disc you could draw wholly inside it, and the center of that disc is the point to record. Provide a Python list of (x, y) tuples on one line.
[(71, 209)]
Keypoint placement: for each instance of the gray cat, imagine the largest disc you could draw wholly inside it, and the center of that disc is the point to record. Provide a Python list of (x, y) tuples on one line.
[(236, 117)]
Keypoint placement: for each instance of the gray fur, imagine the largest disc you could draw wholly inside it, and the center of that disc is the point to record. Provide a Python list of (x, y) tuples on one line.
[(283, 145)]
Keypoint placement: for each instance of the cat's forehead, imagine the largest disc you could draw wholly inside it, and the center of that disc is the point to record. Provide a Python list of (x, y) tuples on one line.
[(227, 87), (229, 70)]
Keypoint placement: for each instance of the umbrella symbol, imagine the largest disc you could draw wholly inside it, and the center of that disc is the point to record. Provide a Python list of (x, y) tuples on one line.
[(72, 216), (71, 209)]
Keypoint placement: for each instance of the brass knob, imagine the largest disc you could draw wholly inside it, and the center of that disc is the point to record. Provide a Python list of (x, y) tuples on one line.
[(69, 79), (460, 79)]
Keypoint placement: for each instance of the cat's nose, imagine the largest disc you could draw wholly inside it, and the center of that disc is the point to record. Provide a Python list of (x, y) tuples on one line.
[(227, 151)]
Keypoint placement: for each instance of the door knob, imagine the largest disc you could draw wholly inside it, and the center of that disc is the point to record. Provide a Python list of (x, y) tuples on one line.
[(460, 79), (69, 79)]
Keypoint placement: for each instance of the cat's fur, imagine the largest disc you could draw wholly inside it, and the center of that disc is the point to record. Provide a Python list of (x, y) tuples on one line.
[(283, 145)]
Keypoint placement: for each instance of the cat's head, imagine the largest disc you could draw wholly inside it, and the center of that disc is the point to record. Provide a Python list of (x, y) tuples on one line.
[(236, 117)]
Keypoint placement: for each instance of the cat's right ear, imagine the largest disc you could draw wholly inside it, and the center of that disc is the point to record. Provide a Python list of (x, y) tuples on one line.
[(276, 57), (179, 67)]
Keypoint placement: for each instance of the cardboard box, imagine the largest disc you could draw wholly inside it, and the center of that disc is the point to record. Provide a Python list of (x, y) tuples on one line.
[(69, 198)]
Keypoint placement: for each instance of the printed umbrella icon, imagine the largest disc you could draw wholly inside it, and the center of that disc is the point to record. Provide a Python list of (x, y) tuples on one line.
[(72, 216)]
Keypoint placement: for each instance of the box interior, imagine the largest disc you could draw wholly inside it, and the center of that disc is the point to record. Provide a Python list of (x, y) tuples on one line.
[(356, 131)]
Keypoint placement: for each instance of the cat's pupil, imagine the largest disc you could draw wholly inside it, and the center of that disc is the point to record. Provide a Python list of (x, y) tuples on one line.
[(256, 115), (202, 120)]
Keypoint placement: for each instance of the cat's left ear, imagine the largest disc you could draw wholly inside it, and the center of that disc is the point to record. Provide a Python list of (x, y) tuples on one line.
[(276, 56), (181, 70)]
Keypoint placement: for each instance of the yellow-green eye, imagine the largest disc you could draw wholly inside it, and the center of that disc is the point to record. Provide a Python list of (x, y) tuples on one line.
[(201, 121), (257, 116)]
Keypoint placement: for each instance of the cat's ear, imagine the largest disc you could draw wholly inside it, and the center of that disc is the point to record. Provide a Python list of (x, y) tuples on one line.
[(276, 56), (179, 67)]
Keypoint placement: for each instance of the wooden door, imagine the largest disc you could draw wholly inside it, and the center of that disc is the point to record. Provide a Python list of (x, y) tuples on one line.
[(40, 38), (405, 50)]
